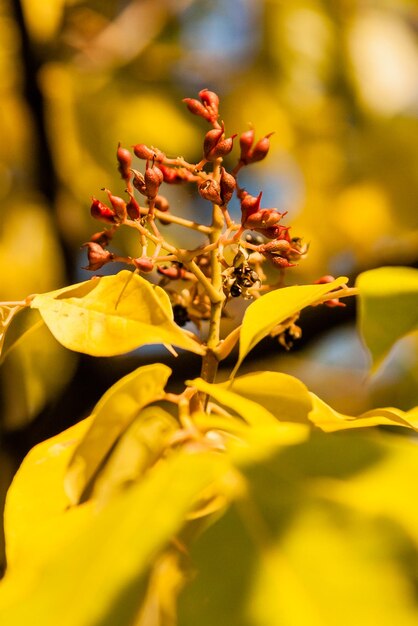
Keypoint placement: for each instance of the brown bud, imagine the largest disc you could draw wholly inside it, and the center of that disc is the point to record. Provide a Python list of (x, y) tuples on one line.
[(143, 152), (102, 212), (139, 182), (278, 246), (246, 140), (249, 205), (210, 190), (228, 185), (118, 204), (210, 99), (124, 158), (260, 150), (221, 149), (97, 256), (161, 203), (280, 262), (174, 175), (153, 179), (144, 264), (197, 108), (103, 238), (212, 138), (133, 208)]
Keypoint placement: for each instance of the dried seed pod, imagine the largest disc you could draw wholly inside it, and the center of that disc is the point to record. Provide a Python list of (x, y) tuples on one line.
[(221, 149), (97, 256), (212, 138), (228, 185), (210, 190), (139, 182)]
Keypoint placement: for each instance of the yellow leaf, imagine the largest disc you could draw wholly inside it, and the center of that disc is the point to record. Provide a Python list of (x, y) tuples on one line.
[(329, 420), (43, 18), (275, 307), (98, 576), (136, 451), (388, 307), (36, 500), (115, 411), (260, 434), (112, 315)]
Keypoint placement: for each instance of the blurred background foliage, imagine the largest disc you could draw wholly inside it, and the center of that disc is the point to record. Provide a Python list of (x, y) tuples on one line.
[(336, 80)]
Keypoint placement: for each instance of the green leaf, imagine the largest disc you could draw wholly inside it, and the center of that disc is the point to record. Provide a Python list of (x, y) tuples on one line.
[(275, 307), (112, 315), (388, 308), (115, 411), (136, 451), (97, 577)]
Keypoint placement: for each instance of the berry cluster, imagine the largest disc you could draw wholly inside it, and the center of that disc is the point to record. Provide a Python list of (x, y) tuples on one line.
[(230, 263)]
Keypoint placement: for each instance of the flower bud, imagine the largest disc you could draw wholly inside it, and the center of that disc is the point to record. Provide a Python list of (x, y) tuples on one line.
[(246, 140), (103, 238), (264, 218), (161, 203), (97, 256), (212, 138), (118, 204), (228, 185), (260, 150), (174, 175), (210, 100), (221, 149), (133, 208), (124, 158), (249, 205), (144, 264), (196, 107), (280, 262), (143, 152), (210, 190), (153, 179), (102, 212), (278, 246)]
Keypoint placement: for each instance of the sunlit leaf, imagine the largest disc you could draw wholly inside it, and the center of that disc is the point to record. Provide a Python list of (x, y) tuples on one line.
[(388, 307), (266, 312), (98, 577), (43, 18), (329, 420), (37, 499), (284, 396), (112, 315), (140, 446), (260, 433), (26, 381), (293, 554), (115, 411)]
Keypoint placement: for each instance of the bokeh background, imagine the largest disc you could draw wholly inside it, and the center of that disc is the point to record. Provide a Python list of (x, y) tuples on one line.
[(336, 80)]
